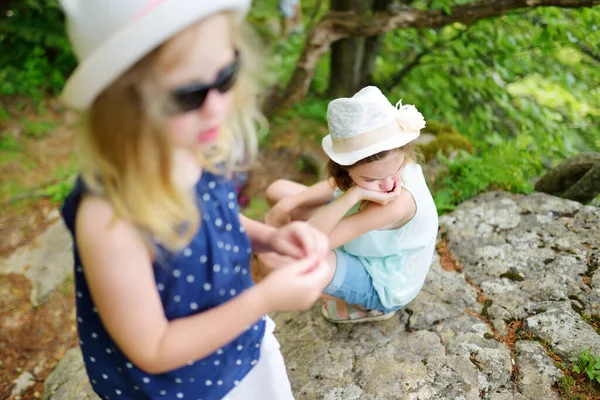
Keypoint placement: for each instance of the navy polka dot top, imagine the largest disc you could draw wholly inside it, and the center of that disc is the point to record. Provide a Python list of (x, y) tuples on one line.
[(213, 269)]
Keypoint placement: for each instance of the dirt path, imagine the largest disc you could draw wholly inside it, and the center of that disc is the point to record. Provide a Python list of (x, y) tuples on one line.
[(36, 154), (32, 339)]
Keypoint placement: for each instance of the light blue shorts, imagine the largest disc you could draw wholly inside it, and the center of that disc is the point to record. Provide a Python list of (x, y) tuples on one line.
[(353, 284)]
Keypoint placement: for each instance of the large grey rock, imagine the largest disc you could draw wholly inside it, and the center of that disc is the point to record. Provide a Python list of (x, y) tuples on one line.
[(69, 380), (537, 372), (508, 395), (46, 262), (525, 258), (539, 254), (383, 360), (564, 330)]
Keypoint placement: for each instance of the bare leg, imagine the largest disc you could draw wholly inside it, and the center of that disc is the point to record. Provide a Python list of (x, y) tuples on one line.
[(282, 188), (277, 191)]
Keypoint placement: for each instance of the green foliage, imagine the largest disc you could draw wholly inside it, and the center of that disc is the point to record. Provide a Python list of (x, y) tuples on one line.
[(37, 129), (588, 363), (63, 180), (9, 143), (520, 87), (447, 139), (9, 148), (265, 19), (582, 381), (58, 192), (35, 56), (523, 71), (509, 165), (257, 208), (308, 120), (314, 108)]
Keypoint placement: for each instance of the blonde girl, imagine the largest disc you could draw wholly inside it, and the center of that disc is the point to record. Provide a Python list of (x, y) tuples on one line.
[(166, 307)]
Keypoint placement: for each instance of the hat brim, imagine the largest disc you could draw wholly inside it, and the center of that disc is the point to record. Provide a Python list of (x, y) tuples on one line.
[(352, 157), (130, 44)]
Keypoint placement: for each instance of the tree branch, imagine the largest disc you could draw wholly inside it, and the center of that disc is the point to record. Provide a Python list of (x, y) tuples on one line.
[(467, 14), (399, 76), (338, 25)]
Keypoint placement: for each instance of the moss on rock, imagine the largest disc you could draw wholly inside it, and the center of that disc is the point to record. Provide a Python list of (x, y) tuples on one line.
[(447, 139)]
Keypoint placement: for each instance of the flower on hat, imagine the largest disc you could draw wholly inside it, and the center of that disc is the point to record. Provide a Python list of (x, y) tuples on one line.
[(409, 118)]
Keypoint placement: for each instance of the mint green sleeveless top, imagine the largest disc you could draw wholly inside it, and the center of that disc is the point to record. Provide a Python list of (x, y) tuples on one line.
[(398, 259)]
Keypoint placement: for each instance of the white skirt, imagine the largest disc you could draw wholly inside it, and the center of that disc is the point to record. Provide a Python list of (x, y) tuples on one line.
[(268, 379)]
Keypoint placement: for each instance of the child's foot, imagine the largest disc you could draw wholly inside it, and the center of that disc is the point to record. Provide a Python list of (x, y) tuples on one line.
[(339, 312)]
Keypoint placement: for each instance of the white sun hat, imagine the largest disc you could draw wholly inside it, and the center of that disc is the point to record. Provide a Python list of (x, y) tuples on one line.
[(109, 36), (366, 124)]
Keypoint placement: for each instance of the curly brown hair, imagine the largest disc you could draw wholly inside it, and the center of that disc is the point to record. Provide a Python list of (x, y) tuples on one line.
[(342, 178)]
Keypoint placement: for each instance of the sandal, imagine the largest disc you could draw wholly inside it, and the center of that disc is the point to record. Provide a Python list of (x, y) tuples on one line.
[(330, 313)]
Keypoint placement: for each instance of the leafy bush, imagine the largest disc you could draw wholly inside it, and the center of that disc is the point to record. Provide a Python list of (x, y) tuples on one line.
[(530, 71), (35, 55), (509, 165)]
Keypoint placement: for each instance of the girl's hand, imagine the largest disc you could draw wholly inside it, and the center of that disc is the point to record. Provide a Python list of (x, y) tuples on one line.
[(382, 198), (298, 240), (273, 260), (280, 214), (298, 286)]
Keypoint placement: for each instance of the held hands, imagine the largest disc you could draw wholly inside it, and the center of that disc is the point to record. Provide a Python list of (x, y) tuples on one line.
[(302, 250), (299, 240), (293, 242), (297, 286), (382, 198)]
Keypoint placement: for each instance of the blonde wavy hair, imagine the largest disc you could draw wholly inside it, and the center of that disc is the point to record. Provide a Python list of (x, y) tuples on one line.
[(125, 152)]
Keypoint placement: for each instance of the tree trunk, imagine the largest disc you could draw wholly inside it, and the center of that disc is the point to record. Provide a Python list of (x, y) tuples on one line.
[(371, 49), (347, 54), (372, 46), (345, 69)]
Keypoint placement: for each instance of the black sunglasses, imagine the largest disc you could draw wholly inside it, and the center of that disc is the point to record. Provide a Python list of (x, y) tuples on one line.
[(192, 97)]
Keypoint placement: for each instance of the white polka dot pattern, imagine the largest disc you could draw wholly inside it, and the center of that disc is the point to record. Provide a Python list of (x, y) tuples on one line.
[(210, 270)]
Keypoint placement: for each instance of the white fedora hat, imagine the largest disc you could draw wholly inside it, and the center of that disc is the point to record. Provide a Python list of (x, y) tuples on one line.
[(109, 36), (366, 124)]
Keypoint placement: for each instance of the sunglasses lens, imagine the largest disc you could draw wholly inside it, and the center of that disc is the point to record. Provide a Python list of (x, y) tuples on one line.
[(192, 97), (227, 77), (189, 100)]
